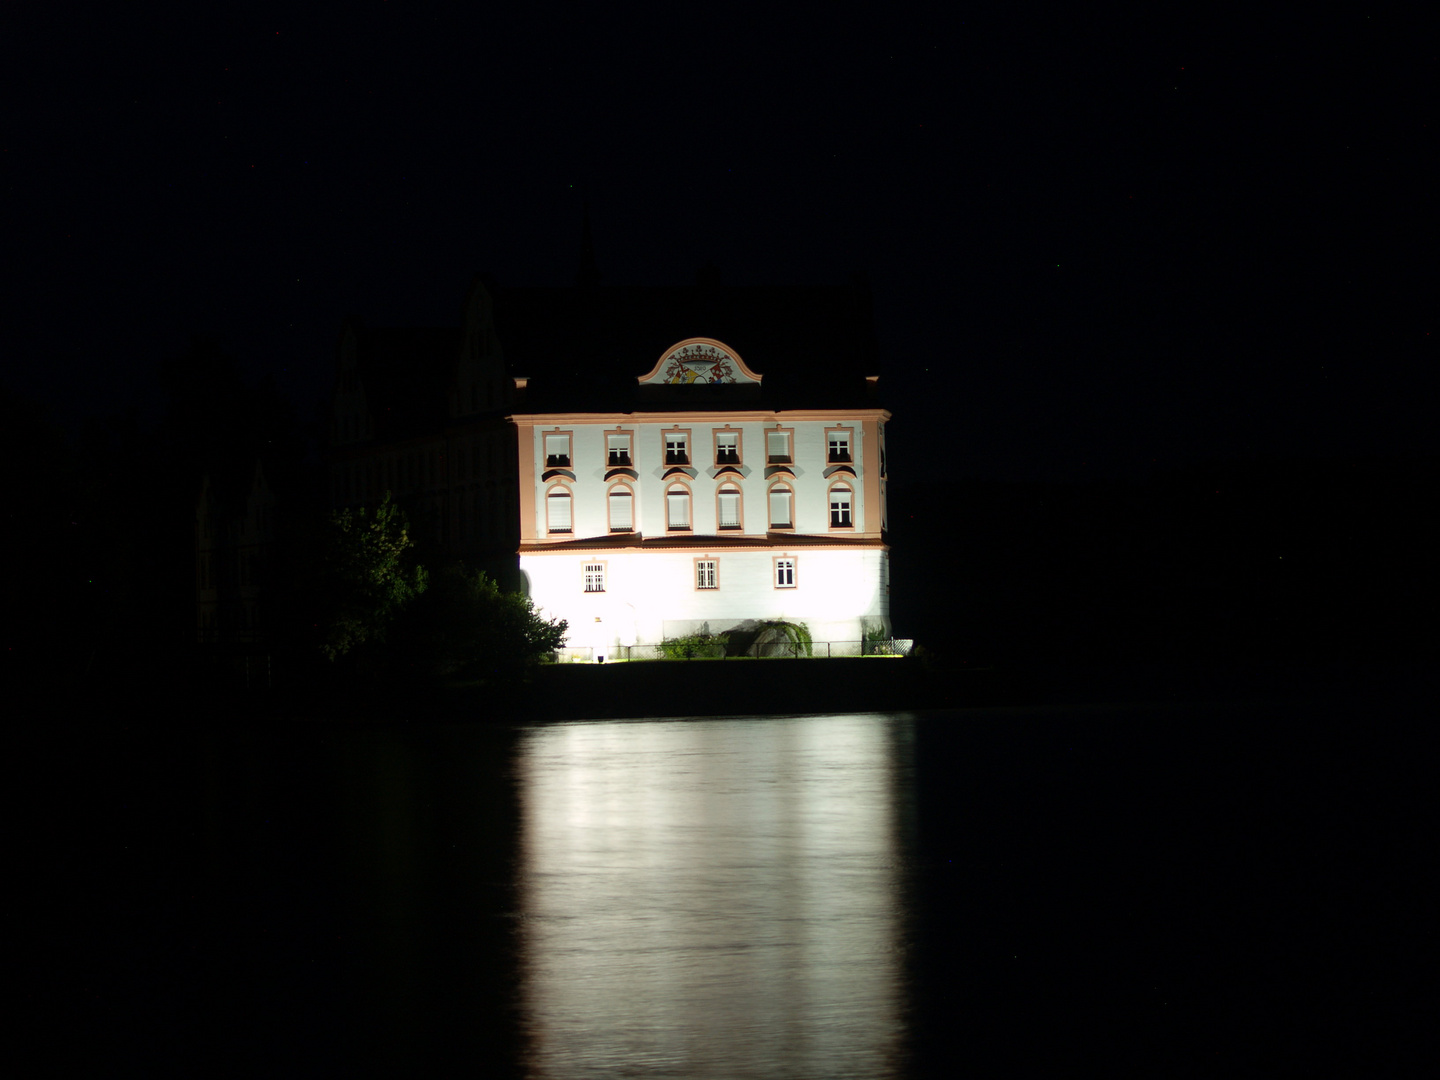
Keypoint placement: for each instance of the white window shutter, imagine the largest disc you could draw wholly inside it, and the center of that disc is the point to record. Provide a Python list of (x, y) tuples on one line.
[(620, 517), (730, 509), (780, 508), (678, 509), (559, 503)]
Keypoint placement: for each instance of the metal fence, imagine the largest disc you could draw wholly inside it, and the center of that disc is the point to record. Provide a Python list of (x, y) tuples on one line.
[(760, 650)]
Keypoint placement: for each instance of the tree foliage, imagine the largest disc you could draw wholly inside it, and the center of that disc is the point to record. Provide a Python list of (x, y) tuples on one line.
[(368, 577), (466, 625)]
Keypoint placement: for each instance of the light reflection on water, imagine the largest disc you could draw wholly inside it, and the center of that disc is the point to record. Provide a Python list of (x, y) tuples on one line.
[(712, 897)]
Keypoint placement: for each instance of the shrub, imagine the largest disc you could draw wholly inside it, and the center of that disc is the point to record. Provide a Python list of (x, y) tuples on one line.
[(697, 646)]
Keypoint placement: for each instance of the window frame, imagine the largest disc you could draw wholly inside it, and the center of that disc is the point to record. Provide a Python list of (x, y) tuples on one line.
[(724, 487), (849, 434), (789, 434), (595, 566), (696, 579), (793, 563), (569, 436), (671, 487), (610, 494), (629, 435), (849, 488), (788, 488), (665, 435), (550, 491), (739, 447)]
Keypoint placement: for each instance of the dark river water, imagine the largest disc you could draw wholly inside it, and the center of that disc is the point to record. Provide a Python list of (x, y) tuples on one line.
[(1190, 890)]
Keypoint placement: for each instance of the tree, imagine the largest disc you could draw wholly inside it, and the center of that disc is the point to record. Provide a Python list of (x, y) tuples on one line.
[(366, 579), (467, 625)]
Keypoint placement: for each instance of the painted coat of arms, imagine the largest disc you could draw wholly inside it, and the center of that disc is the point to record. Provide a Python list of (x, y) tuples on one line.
[(698, 364)]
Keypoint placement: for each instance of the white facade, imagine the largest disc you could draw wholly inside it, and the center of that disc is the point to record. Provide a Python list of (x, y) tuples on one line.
[(652, 595), (640, 526)]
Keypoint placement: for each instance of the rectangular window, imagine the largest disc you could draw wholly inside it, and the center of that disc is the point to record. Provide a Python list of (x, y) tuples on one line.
[(595, 577), (729, 509), (621, 518), (785, 573), (677, 448), (777, 447), (840, 508), (557, 451), (838, 447), (706, 576), (727, 448), (617, 450)]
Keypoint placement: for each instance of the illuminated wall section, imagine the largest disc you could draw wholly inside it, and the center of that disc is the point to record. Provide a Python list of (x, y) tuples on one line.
[(652, 595)]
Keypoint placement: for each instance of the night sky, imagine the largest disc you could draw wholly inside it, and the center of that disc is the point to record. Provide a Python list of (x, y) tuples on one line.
[(1099, 246)]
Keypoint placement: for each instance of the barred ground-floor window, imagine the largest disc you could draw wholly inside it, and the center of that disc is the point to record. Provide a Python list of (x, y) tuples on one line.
[(594, 577), (707, 574)]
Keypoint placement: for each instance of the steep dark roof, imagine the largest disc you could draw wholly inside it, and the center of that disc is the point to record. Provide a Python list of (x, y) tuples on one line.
[(406, 372), (583, 348)]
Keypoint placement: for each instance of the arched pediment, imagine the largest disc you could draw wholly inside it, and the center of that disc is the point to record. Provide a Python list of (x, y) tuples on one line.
[(699, 362)]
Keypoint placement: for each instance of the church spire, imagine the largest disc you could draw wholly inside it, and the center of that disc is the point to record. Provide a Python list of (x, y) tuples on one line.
[(589, 274)]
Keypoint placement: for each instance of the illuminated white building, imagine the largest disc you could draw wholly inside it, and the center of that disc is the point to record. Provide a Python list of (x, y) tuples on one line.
[(702, 508), (651, 482)]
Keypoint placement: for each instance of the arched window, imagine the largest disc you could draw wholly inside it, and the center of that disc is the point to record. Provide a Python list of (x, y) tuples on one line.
[(557, 509), (677, 507), (729, 509), (782, 507), (841, 504), (622, 509)]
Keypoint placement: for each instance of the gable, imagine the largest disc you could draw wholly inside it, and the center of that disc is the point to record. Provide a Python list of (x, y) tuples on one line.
[(702, 362)]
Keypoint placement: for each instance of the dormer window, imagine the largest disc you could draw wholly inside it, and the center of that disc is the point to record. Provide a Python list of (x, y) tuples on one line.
[(777, 448), (617, 450), (557, 451), (838, 447), (727, 448), (677, 448)]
